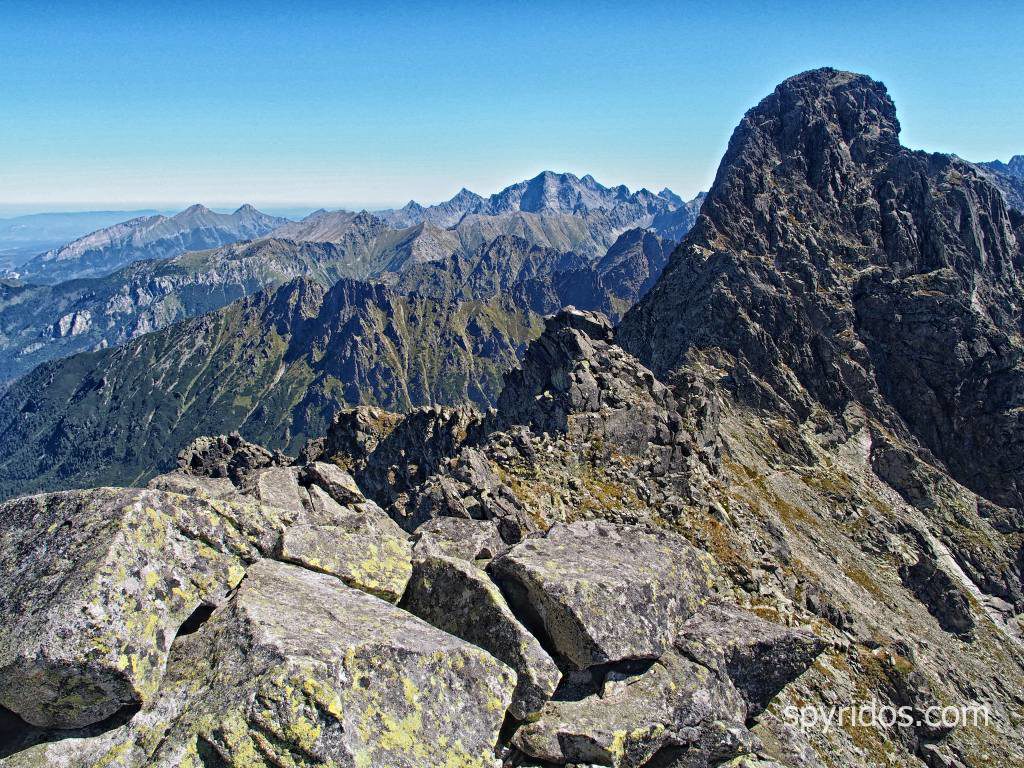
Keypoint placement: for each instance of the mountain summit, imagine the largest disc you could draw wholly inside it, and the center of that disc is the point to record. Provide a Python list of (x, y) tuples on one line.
[(148, 237), (830, 266), (546, 193)]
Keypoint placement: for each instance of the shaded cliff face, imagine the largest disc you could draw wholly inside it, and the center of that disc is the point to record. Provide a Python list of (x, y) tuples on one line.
[(831, 266), (1009, 177)]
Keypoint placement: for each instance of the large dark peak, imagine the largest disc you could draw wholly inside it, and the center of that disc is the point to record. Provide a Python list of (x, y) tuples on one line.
[(831, 266), (810, 146)]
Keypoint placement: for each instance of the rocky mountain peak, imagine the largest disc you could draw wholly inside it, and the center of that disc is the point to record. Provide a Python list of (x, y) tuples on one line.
[(671, 196), (831, 267), (197, 209)]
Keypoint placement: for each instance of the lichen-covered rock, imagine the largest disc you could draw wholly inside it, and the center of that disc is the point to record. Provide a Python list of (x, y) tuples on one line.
[(197, 485), (277, 487), (674, 703), (601, 592), (300, 670), (96, 584), (459, 537), (456, 596), (759, 657), (363, 547), (333, 479)]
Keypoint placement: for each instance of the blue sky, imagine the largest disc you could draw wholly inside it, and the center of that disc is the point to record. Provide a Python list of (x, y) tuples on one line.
[(288, 104)]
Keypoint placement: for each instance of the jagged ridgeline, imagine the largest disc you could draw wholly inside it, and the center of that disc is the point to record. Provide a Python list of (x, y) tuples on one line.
[(277, 365), (787, 483)]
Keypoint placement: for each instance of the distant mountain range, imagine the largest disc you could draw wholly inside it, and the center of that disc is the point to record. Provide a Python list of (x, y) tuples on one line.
[(44, 322), (547, 209), (280, 363), (147, 237), (145, 274), (22, 237)]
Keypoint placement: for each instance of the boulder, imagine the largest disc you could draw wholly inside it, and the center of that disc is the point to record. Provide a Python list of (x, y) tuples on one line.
[(299, 670), (337, 482), (363, 547), (96, 585), (674, 703), (277, 487), (459, 598), (759, 657), (598, 593), (459, 537)]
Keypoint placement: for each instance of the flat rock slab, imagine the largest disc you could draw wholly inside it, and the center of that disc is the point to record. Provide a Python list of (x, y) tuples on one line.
[(460, 537), (459, 598), (277, 487), (363, 547), (95, 585), (299, 670), (600, 593)]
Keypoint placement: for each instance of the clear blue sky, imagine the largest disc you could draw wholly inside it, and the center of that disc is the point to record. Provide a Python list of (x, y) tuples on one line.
[(286, 104)]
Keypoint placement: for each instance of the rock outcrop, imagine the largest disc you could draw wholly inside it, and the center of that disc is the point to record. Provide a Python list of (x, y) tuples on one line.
[(648, 584), (97, 584)]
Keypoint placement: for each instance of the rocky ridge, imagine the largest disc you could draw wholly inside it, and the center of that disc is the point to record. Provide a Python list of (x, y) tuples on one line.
[(1009, 177), (276, 373), (269, 631), (148, 237)]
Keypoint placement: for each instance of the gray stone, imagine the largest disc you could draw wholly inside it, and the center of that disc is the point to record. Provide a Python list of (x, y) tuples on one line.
[(363, 547), (277, 487), (759, 657), (333, 479), (96, 585), (676, 702), (299, 670), (459, 537), (600, 593), (454, 595)]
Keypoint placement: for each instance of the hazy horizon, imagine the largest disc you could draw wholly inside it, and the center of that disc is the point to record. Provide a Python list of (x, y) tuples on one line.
[(12, 210)]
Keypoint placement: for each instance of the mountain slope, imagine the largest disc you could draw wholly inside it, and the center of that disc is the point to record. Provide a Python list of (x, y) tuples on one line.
[(444, 332), (1009, 177), (275, 365), (149, 237), (42, 322)]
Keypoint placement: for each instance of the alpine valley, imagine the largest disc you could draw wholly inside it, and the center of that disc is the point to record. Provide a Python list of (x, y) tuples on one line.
[(567, 475)]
